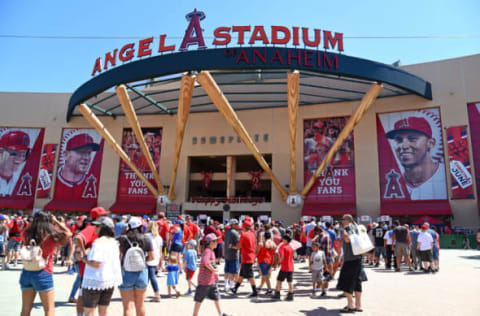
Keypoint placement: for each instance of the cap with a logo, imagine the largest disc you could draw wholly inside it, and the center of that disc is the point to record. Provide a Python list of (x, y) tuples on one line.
[(81, 141), (16, 139), (105, 221), (210, 237), (97, 212), (411, 123), (192, 243), (233, 221), (134, 222)]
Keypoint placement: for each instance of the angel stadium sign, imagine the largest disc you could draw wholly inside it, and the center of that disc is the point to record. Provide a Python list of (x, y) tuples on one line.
[(314, 40)]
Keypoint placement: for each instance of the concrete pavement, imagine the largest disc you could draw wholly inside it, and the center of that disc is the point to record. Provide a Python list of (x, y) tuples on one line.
[(452, 291)]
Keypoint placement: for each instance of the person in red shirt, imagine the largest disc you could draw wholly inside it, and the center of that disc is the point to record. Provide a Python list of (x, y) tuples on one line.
[(164, 231), (195, 231), (219, 249), (247, 246), (265, 253), (285, 252), (16, 227), (84, 240), (47, 232)]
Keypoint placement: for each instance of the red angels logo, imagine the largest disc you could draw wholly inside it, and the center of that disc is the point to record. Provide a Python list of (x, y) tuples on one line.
[(90, 191), (207, 177), (25, 188), (393, 188), (193, 34), (255, 179)]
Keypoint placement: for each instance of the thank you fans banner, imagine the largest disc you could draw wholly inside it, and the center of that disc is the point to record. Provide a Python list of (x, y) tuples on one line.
[(336, 183), (130, 187), (20, 150), (459, 156), (411, 160)]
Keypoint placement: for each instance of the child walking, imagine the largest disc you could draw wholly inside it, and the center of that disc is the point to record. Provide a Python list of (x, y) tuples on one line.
[(285, 253), (317, 263), (265, 253), (172, 278), (190, 264), (208, 276)]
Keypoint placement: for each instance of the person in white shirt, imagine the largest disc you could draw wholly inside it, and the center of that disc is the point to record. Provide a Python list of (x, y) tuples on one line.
[(157, 243), (425, 246), (102, 270), (389, 249)]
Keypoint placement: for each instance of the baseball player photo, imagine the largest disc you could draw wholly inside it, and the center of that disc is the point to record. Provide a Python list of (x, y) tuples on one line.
[(15, 148), (417, 170), (79, 165)]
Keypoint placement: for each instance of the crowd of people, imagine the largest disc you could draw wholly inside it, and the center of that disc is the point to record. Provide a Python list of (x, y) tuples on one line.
[(130, 252)]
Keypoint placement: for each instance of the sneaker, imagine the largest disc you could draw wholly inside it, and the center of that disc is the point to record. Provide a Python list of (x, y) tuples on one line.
[(72, 300), (233, 290), (189, 292), (377, 265), (6, 266), (270, 291), (313, 294), (254, 294), (276, 296), (70, 271), (177, 294), (397, 269), (323, 293)]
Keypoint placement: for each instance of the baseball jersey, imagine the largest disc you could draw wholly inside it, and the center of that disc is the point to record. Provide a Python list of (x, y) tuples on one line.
[(84, 189), (434, 188)]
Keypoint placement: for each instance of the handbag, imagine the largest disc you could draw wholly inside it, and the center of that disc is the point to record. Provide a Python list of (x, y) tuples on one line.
[(359, 239), (32, 257), (363, 276)]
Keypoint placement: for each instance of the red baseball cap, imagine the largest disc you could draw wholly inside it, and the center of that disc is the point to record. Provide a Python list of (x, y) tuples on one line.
[(161, 215), (81, 141), (424, 226), (16, 139), (98, 212), (412, 123)]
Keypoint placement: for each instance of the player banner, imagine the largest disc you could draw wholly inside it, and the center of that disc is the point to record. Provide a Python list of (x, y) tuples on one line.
[(130, 187), (459, 156), (20, 150), (474, 122), (46, 170), (411, 161), (336, 184), (79, 166)]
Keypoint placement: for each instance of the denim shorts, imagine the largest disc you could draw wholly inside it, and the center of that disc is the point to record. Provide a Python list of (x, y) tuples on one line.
[(176, 248), (13, 245), (40, 281), (435, 253), (134, 280), (231, 266), (264, 268)]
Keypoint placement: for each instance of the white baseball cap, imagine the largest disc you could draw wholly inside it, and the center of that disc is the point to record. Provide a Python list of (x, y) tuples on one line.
[(134, 222)]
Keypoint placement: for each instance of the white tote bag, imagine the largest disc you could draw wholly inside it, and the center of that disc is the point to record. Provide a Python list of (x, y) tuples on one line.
[(360, 240)]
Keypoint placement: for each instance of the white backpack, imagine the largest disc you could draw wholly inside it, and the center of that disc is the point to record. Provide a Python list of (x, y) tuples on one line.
[(134, 260), (32, 257)]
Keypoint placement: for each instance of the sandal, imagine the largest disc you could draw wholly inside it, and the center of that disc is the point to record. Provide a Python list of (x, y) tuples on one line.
[(155, 300), (358, 310), (346, 310)]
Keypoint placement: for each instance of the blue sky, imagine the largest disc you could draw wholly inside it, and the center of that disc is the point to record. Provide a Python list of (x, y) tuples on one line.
[(62, 65)]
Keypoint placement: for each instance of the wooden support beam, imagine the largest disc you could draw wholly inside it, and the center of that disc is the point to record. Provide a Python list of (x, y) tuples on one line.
[(95, 122), (365, 104), (185, 98), (231, 163), (135, 124), (293, 99), (219, 99)]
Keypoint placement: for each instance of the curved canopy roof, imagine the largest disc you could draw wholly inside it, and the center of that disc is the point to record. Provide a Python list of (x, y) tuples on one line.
[(154, 83)]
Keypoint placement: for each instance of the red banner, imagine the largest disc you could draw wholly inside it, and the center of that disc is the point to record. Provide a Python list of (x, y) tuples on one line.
[(130, 187), (78, 172), (46, 170), (336, 184), (474, 120), (20, 150), (411, 161), (460, 169)]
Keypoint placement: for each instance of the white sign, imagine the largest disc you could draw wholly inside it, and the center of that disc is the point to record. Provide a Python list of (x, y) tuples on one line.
[(461, 174)]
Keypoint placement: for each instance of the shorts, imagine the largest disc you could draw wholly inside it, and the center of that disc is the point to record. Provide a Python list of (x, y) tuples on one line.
[(176, 248), (302, 251), (189, 274), (309, 251), (231, 266), (401, 249), (93, 298), (2, 250), (282, 275), (264, 268), (435, 253), (247, 270), (134, 280), (329, 260), (210, 291), (317, 276), (380, 250), (219, 251), (13, 244), (40, 281), (426, 255)]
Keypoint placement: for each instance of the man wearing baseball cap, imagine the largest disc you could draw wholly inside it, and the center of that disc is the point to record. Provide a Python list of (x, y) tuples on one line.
[(230, 243), (413, 142), (14, 150), (247, 246), (77, 157)]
